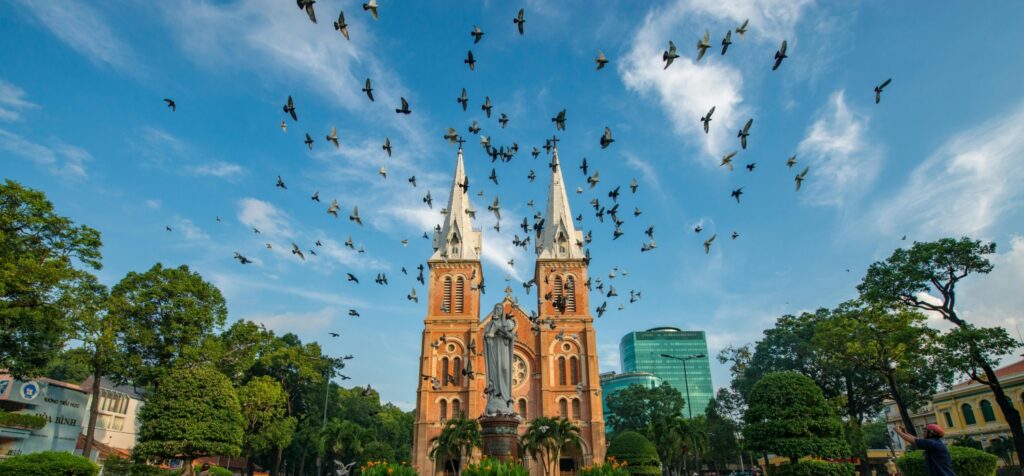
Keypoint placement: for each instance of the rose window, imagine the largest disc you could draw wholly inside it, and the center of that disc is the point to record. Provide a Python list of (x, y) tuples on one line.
[(519, 370)]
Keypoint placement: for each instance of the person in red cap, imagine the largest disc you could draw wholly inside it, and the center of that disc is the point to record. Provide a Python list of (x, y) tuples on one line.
[(937, 461)]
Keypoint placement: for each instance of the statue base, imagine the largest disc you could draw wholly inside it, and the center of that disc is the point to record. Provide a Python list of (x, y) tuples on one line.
[(500, 436)]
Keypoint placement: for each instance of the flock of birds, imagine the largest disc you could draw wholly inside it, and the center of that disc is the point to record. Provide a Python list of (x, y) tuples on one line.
[(506, 153)]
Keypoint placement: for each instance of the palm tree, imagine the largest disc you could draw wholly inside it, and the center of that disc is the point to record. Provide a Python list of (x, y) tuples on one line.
[(545, 438), (458, 438)]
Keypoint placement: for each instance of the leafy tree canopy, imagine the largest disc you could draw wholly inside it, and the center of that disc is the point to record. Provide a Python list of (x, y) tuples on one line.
[(635, 408), (788, 415)]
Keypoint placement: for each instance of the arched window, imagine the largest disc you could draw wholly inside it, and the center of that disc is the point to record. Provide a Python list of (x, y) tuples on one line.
[(570, 294), (576, 409), (986, 411), (446, 301), (459, 286), (444, 410), (949, 420), (522, 408), (444, 371), (457, 371), (968, 414), (556, 293), (561, 370), (563, 408), (574, 370), (456, 408)]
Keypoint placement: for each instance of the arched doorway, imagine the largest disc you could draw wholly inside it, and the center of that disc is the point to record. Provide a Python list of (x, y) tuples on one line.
[(570, 461)]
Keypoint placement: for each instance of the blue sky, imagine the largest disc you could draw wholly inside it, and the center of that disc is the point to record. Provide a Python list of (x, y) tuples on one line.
[(82, 118)]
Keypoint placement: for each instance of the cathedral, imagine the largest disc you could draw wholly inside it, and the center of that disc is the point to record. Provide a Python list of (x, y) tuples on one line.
[(554, 363)]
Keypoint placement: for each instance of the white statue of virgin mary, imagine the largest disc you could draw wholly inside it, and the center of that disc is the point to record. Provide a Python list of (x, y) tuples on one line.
[(499, 339)]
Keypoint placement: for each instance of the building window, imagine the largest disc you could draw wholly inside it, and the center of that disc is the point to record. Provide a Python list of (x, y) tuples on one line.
[(446, 300), (457, 371), (459, 285), (522, 408), (949, 420), (561, 370), (968, 414), (574, 370), (444, 371), (557, 291), (444, 410), (570, 294), (456, 408), (986, 411), (576, 409), (563, 408)]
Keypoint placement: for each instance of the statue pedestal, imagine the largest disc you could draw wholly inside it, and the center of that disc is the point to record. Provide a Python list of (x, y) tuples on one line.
[(500, 437)]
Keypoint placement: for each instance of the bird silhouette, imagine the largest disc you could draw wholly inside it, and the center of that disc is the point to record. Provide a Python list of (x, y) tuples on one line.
[(308, 6), (368, 89), (606, 138), (477, 34), (171, 104), (387, 146), (463, 99), (289, 107), (405, 107), (800, 177), (340, 25), (355, 216), (669, 55), (601, 60), (703, 44), (726, 41), (736, 194), (520, 21), (743, 133), (371, 6), (779, 56), (707, 243), (706, 119), (742, 29), (469, 60), (878, 90)]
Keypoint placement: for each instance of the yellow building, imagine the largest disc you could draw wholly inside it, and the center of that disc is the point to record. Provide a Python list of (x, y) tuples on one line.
[(968, 409)]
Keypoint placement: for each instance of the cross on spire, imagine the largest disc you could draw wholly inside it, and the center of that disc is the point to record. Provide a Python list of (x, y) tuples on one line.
[(460, 141), (554, 142)]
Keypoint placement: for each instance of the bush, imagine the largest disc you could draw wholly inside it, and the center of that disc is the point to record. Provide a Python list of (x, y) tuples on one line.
[(124, 467), (383, 468), (22, 420), (637, 453), (493, 467), (609, 468), (966, 462), (48, 463), (813, 468)]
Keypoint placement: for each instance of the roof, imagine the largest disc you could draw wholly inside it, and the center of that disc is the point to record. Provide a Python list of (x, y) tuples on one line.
[(457, 240), (1002, 372), (559, 238), (107, 384)]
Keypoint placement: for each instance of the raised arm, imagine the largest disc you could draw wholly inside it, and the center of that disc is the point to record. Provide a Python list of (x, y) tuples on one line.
[(902, 433)]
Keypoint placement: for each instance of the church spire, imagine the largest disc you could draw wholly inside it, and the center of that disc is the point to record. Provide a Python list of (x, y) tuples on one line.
[(456, 239), (559, 238)]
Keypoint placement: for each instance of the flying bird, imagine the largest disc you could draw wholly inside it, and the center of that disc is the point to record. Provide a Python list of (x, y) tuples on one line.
[(706, 119), (351, 278), (791, 161), (174, 107), (451, 136), (297, 252), (707, 243), (486, 107), (503, 120), (383, 171), (387, 146), (368, 89), (463, 99), (469, 60), (633, 185), (371, 6), (242, 259), (353, 313), (412, 296), (334, 334), (800, 177), (340, 25), (735, 235), (477, 34), (703, 44), (779, 56), (742, 29), (878, 90), (669, 55), (727, 159), (496, 208), (308, 6), (519, 21), (606, 138), (698, 229), (309, 141), (726, 41), (736, 194), (750, 166), (284, 126), (334, 208), (559, 120), (405, 107), (474, 128), (315, 197), (289, 107), (594, 179), (355, 216), (743, 133), (601, 60), (280, 183)]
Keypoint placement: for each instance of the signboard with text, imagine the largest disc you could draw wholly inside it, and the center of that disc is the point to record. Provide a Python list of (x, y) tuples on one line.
[(63, 407)]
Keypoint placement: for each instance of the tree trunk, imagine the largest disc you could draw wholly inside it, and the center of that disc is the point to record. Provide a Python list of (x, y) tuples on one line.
[(302, 463), (900, 404), (1010, 414), (187, 469), (277, 462), (94, 409)]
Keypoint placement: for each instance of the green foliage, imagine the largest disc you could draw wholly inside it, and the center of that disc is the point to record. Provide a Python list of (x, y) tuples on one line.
[(545, 438), (165, 314), (71, 365), (677, 439), (38, 253), (876, 434), (459, 436), (22, 420), (1001, 447), (263, 403), (966, 462), (788, 416), (721, 430), (965, 441), (48, 463), (384, 468), (124, 467), (609, 468), (813, 468), (637, 452), (493, 467), (968, 349), (194, 412), (635, 408)]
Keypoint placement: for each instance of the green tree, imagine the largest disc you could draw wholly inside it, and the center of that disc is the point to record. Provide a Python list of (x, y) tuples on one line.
[(908, 276), (262, 401), (39, 250), (723, 448), (637, 452), (545, 439), (636, 408), (876, 435), (194, 412), (787, 415), (165, 314), (71, 365), (458, 438)]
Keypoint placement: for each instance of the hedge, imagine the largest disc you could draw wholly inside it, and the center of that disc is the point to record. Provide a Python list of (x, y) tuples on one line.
[(966, 462), (123, 467), (609, 468), (48, 463), (493, 467), (384, 468), (22, 420), (637, 452), (813, 468)]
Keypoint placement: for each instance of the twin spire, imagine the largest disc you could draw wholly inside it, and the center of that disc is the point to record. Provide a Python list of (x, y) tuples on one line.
[(457, 240)]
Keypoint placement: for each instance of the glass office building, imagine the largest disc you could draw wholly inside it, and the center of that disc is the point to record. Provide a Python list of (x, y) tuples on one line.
[(612, 382), (641, 352)]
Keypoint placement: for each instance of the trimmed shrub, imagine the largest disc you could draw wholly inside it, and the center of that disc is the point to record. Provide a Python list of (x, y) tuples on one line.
[(493, 467), (383, 468), (22, 420), (609, 468), (966, 462), (48, 463), (124, 467), (637, 453), (813, 468)]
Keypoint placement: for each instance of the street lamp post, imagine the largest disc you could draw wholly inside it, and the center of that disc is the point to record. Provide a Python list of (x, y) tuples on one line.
[(686, 380)]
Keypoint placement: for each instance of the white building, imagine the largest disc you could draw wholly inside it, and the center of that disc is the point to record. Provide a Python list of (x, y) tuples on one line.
[(117, 425)]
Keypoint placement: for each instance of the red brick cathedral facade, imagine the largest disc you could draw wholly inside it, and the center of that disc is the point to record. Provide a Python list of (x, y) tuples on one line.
[(555, 370)]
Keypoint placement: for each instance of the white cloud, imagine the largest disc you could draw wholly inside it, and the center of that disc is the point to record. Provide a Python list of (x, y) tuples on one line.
[(153, 204), (771, 20), (12, 102), (842, 163), (265, 217), (219, 169), (995, 299), (190, 230), (649, 176), (302, 323), (968, 185), (84, 29), (61, 159)]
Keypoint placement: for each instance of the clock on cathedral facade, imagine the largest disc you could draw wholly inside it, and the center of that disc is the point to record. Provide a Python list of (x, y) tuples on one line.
[(554, 365)]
